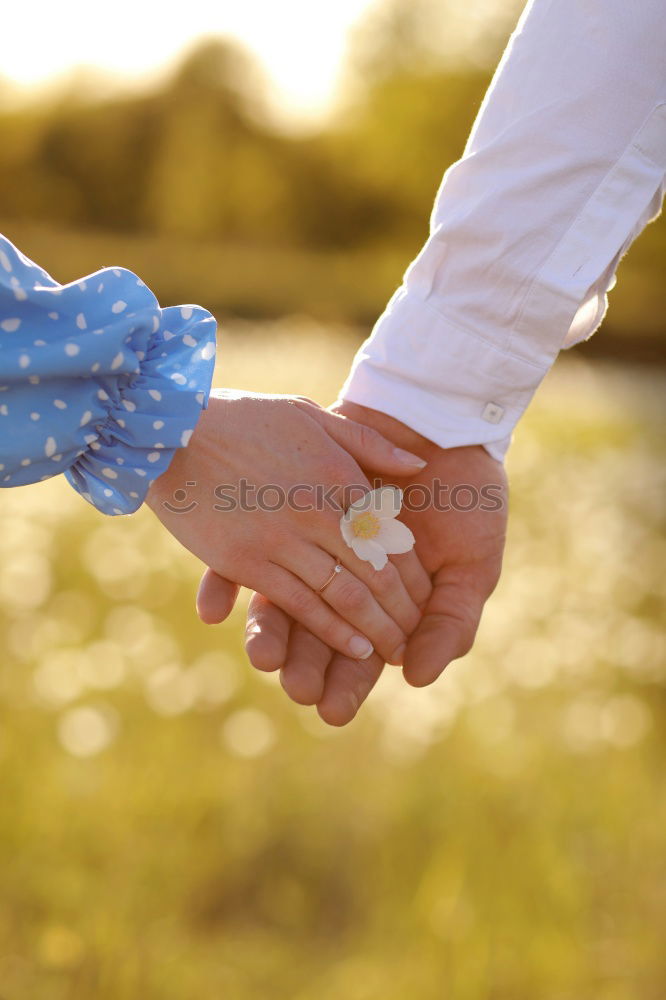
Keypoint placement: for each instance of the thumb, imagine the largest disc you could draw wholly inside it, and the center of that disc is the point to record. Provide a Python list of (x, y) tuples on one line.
[(370, 448), (215, 598)]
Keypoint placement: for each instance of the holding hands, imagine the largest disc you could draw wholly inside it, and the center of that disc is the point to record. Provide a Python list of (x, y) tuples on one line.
[(304, 464), (460, 548)]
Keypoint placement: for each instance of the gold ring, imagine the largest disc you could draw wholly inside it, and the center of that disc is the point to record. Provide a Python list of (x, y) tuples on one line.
[(336, 569)]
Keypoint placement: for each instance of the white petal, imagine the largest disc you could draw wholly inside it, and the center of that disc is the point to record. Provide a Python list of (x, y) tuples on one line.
[(387, 501), (370, 551), (346, 529), (363, 503), (394, 536)]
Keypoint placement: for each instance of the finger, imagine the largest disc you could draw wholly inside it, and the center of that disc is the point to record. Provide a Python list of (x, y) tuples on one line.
[(266, 634), (415, 578), (365, 444), (350, 597), (294, 597), (304, 671), (347, 685), (387, 588), (449, 624), (215, 598)]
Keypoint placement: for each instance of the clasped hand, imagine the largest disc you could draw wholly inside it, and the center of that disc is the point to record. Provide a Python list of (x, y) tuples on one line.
[(288, 447)]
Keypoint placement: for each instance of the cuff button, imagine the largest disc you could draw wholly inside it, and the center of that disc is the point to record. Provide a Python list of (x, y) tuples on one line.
[(493, 413)]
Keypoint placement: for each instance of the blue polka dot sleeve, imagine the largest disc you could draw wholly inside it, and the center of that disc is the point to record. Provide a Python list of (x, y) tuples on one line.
[(96, 380)]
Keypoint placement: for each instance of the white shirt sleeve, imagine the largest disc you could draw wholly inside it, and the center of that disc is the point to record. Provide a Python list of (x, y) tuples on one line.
[(564, 167)]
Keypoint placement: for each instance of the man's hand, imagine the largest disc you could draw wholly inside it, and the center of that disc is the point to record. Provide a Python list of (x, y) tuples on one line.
[(462, 549)]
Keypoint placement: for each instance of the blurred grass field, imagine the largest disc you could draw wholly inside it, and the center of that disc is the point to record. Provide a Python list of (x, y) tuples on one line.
[(172, 827)]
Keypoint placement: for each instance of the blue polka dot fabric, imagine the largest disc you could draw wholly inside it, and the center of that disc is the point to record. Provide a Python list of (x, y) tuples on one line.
[(96, 380)]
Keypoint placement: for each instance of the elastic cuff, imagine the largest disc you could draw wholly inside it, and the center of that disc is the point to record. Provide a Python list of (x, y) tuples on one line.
[(150, 414)]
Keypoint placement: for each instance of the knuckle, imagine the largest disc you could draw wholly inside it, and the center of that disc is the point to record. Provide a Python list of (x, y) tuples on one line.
[(303, 603), (385, 582), (351, 595), (368, 438)]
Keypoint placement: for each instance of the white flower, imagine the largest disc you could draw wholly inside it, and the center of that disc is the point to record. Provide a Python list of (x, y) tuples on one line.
[(370, 528)]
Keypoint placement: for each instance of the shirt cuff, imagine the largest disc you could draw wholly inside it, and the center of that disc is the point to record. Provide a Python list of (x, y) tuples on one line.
[(451, 385)]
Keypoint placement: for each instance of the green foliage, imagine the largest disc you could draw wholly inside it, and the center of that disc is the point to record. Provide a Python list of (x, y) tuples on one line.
[(199, 161)]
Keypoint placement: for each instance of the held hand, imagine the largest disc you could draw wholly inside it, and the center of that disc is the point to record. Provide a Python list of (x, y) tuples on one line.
[(285, 540), (462, 549)]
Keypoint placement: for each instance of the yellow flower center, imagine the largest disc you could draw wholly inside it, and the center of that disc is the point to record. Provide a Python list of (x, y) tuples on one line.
[(366, 525)]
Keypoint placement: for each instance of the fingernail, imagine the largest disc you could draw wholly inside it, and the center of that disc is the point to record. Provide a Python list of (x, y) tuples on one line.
[(396, 658), (360, 648), (407, 458)]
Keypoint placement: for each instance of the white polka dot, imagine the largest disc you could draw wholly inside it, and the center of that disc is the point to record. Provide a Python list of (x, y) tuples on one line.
[(108, 493), (10, 325), (39, 343), (72, 349), (140, 472), (25, 461), (120, 461), (153, 456), (117, 272), (33, 379), (155, 394), (185, 438), (140, 355), (50, 447), (117, 361), (4, 260), (208, 351), (2, 468), (158, 424), (200, 396), (120, 422), (34, 416), (129, 405), (24, 361), (95, 367), (53, 315), (81, 322), (89, 438), (158, 444), (118, 306), (156, 324), (95, 445), (134, 496), (102, 394), (56, 458), (3, 409), (100, 287), (168, 335), (86, 418), (83, 285), (19, 294), (60, 404), (189, 340), (186, 312), (98, 333), (178, 378), (109, 473), (117, 510)]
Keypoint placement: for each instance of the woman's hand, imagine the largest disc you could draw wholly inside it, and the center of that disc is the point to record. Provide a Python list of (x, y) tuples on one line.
[(257, 495)]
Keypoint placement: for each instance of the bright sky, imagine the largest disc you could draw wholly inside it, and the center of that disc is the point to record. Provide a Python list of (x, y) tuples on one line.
[(300, 42)]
